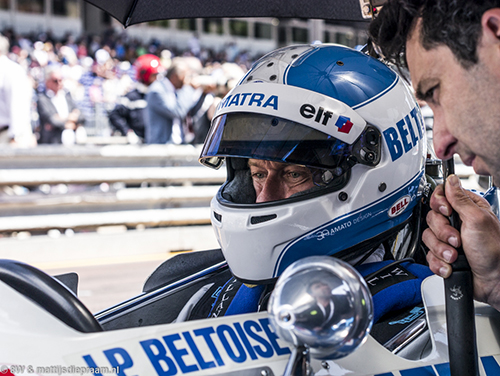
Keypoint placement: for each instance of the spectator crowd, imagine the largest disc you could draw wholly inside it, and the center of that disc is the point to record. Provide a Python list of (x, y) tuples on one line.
[(110, 84)]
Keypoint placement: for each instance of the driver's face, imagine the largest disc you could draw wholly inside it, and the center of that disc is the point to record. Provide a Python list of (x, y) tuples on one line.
[(275, 181), (320, 290)]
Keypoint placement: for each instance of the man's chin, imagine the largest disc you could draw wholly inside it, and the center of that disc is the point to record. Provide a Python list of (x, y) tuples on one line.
[(482, 172), (480, 167)]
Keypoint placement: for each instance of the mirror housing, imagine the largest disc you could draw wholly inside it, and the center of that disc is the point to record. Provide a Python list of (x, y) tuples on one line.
[(323, 304)]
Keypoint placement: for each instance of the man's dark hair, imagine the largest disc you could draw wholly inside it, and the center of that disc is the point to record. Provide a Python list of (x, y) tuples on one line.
[(453, 23)]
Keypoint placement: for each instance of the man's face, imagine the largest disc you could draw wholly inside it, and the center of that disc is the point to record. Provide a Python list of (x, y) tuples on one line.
[(321, 290), (54, 82), (152, 78), (276, 181), (465, 103), (178, 78)]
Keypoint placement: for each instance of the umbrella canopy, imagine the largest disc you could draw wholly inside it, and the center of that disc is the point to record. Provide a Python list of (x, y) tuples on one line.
[(131, 12)]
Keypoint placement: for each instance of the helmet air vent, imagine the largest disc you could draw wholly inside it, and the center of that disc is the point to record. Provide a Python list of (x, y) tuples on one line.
[(262, 218), (218, 217)]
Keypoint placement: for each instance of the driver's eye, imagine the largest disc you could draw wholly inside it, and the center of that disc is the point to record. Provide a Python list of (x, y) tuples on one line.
[(297, 176), (258, 175)]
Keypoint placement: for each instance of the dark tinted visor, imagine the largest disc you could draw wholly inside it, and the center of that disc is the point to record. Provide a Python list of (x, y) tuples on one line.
[(250, 135)]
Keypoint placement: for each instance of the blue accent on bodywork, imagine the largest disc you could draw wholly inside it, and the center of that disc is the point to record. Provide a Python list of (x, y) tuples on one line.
[(341, 73), (420, 371), (490, 365), (443, 369), (363, 224), (491, 195)]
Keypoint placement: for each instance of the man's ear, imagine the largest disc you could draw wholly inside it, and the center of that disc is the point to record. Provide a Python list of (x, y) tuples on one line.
[(490, 23)]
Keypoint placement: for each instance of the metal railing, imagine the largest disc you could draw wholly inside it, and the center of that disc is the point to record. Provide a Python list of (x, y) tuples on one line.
[(85, 187)]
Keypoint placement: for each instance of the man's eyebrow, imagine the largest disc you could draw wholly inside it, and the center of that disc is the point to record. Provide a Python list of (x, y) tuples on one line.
[(423, 86), (296, 166), (418, 92)]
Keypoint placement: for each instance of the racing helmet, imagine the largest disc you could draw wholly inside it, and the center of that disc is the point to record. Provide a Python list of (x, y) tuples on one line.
[(352, 122), (147, 65)]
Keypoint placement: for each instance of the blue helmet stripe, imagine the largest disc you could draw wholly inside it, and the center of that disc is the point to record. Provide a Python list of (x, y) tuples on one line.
[(377, 221), (378, 95)]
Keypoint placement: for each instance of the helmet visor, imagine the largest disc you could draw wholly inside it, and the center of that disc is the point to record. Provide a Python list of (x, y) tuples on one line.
[(256, 136)]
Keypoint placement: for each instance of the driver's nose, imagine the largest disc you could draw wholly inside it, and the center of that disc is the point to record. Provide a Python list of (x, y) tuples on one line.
[(272, 190)]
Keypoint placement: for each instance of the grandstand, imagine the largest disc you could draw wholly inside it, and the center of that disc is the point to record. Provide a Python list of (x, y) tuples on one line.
[(256, 35)]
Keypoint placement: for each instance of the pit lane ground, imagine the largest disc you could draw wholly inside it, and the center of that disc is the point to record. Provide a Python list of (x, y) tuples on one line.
[(112, 264)]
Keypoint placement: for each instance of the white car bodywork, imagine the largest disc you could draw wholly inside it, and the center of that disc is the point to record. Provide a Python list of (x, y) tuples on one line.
[(35, 342)]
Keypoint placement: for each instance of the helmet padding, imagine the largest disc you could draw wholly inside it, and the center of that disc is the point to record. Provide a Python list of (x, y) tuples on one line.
[(239, 189)]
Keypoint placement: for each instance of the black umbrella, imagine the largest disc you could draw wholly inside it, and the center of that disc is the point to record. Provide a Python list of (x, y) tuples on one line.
[(131, 12)]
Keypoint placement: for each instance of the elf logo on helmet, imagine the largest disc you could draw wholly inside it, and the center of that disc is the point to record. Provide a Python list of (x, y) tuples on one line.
[(343, 123), (399, 206), (409, 131)]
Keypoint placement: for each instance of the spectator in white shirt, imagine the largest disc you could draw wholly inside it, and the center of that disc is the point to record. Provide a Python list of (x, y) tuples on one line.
[(15, 101)]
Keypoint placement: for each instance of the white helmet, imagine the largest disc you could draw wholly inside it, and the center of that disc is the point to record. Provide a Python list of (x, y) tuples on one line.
[(347, 117)]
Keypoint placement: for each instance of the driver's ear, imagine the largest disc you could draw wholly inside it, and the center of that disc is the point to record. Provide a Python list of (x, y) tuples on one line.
[(490, 22)]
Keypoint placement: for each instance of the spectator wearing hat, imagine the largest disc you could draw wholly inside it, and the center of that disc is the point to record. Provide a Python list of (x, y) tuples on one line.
[(128, 116)]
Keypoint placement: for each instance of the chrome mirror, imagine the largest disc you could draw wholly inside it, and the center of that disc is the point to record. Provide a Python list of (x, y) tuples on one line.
[(322, 306)]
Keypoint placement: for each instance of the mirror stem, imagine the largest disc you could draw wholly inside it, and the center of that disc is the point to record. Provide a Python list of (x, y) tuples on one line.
[(299, 362)]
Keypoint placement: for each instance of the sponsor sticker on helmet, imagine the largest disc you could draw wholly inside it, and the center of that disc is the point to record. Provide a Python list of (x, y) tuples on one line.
[(315, 110), (399, 206), (344, 124)]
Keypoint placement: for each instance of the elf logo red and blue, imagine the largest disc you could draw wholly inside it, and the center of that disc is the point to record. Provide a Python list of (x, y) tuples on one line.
[(344, 124), (322, 116)]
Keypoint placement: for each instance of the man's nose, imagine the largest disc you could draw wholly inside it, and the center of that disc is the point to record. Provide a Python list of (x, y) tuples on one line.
[(444, 141), (272, 190)]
